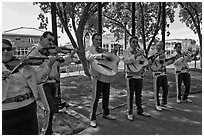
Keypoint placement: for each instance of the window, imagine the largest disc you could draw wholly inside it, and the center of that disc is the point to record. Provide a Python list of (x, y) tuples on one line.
[(22, 52), (17, 39), (30, 40)]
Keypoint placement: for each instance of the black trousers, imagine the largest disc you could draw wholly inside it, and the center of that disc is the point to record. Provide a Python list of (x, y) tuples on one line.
[(98, 88), (186, 79), (160, 81), (134, 86), (50, 92), (21, 121)]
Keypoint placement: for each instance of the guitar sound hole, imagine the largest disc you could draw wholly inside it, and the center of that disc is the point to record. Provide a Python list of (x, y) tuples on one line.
[(141, 62), (161, 62)]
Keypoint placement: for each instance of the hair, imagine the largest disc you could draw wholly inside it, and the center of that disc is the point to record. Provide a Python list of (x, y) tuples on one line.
[(95, 34), (44, 35), (176, 45), (133, 37), (7, 42)]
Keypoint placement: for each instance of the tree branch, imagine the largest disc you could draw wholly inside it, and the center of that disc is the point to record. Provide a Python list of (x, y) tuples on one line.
[(157, 28), (118, 24), (191, 15)]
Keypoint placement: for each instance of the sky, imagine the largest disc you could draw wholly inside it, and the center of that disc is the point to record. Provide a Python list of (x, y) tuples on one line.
[(24, 14)]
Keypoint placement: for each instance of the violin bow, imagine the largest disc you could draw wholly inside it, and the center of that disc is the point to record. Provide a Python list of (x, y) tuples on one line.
[(22, 60)]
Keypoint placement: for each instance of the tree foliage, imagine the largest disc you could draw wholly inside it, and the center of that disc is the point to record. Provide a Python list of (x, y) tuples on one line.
[(191, 15), (148, 21), (76, 19)]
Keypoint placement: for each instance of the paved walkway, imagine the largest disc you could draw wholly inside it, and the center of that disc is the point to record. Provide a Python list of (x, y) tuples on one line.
[(184, 119)]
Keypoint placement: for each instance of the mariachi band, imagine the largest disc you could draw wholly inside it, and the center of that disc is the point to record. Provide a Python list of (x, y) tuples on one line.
[(35, 76)]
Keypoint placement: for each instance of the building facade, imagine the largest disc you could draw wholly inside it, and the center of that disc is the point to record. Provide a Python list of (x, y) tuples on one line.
[(185, 43), (23, 40)]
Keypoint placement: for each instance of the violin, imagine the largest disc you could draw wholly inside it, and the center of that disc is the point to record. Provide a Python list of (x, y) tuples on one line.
[(53, 50), (16, 64), (28, 61)]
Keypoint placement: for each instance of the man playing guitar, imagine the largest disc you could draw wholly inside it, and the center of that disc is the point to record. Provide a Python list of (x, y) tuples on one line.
[(182, 74), (160, 77), (134, 79), (99, 83)]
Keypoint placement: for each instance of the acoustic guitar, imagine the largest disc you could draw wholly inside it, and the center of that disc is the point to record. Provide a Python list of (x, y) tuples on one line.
[(184, 64), (138, 65), (159, 63), (107, 67), (142, 62)]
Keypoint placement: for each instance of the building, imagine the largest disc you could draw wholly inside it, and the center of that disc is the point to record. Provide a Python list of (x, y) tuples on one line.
[(185, 43), (23, 39), (108, 43)]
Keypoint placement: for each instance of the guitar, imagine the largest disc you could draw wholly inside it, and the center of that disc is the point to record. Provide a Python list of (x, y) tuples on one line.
[(108, 67), (159, 63), (142, 62), (184, 65), (138, 65)]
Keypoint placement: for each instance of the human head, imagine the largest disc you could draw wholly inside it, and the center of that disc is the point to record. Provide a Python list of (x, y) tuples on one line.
[(96, 39), (178, 47), (160, 46), (134, 42), (47, 39), (7, 50)]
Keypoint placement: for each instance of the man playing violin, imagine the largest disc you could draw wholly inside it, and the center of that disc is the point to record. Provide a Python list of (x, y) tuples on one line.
[(99, 86), (160, 77), (49, 85), (134, 79), (182, 74), (19, 93)]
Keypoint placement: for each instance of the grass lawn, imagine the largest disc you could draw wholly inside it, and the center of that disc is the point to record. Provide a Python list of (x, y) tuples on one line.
[(76, 90)]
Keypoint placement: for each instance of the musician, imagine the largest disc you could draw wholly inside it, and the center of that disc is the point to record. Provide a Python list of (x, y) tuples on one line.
[(134, 79), (98, 85), (19, 93), (160, 77), (182, 74), (50, 83)]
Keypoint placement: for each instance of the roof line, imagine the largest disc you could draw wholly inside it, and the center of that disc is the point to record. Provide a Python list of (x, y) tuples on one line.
[(23, 28)]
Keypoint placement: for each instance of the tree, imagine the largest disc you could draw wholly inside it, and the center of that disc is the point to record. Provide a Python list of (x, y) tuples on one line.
[(191, 14), (148, 20), (77, 17)]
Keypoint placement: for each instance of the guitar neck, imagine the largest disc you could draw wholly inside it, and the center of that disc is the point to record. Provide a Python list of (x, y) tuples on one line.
[(153, 57), (172, 58)]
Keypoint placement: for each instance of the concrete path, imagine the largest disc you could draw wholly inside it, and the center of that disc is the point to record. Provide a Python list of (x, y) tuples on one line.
[(184, 119)]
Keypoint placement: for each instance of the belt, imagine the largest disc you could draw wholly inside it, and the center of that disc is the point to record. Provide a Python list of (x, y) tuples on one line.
[(133, 76), (156, 74), (183, 71), (159, 73), (178, 71), (19, 98)]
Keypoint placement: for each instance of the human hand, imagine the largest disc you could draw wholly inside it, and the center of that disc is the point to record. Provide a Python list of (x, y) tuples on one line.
[(51, 61), (106, 57), (75, 50), (5, 74)]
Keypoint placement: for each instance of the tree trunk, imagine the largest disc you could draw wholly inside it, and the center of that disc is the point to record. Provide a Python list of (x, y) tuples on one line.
[(200, 41)]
